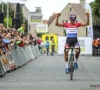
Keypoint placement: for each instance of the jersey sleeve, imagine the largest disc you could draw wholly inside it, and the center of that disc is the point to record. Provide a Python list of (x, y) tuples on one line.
[(79, 24), (65, 24)]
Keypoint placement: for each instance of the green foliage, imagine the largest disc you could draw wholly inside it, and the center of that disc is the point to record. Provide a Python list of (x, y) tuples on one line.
[(96, 12), (11, 11), (11, 15), (10, 22)]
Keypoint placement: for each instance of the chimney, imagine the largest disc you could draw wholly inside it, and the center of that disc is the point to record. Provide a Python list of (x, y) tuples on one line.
[(82, 2), (38, 10)]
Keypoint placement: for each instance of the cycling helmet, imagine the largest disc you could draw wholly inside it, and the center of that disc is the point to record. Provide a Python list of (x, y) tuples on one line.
[(72, 17)]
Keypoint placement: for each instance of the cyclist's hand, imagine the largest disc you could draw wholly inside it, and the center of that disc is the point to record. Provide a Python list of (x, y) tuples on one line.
[(87, 14), (58, 14)]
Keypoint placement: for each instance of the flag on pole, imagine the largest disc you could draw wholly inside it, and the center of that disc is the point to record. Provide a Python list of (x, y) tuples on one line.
[(90, 26)]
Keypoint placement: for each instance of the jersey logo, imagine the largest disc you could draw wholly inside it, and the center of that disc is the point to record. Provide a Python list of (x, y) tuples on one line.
[(71, 32)]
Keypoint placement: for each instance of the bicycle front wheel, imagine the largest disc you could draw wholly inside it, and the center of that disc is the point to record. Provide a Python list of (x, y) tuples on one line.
[(71, 67)]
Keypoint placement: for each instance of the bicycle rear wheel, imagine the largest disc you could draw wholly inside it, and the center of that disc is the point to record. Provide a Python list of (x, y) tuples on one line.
[(71, 67)]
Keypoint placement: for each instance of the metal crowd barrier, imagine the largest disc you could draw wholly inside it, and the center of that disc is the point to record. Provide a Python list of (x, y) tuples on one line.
[(17, 57)]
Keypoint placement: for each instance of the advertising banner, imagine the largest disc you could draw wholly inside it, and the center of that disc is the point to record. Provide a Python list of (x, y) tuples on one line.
[(35, 18), (42, 28), (90, 26), (85, 45)]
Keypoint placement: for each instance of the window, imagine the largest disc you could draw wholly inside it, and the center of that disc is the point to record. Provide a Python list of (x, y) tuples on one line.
[(46, 38), (51, 38)]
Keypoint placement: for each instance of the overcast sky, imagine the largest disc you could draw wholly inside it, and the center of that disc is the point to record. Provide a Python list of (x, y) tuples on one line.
[(50, 6)]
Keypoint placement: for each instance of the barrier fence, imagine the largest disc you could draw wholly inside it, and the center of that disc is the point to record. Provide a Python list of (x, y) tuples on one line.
[(17, 57)]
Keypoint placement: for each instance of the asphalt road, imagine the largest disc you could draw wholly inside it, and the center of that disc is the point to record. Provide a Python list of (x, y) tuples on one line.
[(48, 73)]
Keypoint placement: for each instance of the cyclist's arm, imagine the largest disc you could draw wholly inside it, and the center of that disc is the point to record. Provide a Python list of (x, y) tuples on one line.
[(58, 24), (87, 22)]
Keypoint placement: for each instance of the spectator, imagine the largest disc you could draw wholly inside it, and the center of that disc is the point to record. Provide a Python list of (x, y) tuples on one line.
[(47, 45), (22, 29), (34, 36), (97, 43), (52, 47), (39, 43), (42, 45), (93, 42)]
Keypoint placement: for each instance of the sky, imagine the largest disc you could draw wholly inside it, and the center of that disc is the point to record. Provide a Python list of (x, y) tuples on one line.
[(48, 6)]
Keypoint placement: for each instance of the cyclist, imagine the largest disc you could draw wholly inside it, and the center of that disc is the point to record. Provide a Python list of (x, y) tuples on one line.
[(71, 32)]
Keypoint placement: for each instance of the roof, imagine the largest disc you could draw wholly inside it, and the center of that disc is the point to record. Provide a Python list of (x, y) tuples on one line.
[(77, 7), (51, 18)]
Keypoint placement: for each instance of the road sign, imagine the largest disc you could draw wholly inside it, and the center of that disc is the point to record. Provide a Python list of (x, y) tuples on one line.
[(35, 18)]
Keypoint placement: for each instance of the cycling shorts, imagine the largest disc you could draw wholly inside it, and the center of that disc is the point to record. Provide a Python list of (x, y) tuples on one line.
[(72, 41)]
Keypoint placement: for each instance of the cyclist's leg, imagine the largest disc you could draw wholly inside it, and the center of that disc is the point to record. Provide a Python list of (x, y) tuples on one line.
[(77, 51), (66, 50), (76, 55), (66, 54)]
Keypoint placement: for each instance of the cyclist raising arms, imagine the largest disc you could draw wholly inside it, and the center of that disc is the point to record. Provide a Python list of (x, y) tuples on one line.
[(71, 32)]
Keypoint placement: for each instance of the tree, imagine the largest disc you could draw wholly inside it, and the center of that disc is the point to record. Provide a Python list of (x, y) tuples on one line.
[(11, 11), (95, 11), (10, 22), (11, 15), (21, 15)]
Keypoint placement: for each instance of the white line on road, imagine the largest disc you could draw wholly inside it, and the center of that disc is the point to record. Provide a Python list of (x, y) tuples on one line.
[(51, 82)]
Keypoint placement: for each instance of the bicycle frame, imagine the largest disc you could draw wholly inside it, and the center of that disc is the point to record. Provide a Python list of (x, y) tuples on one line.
[(70, 65)]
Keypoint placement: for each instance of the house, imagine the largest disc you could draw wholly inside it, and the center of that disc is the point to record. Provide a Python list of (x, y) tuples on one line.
[(75, 8)]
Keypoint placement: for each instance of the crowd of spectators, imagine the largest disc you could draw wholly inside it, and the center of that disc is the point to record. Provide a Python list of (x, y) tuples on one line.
[(12, 36)]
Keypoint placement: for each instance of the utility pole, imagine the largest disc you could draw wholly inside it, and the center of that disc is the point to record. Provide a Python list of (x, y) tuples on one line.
[(7, 14), (2, 6)]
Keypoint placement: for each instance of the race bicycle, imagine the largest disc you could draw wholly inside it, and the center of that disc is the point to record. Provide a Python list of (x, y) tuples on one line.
[(70, 63)]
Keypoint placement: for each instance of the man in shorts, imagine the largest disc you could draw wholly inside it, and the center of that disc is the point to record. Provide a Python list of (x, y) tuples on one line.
[(71, 33)]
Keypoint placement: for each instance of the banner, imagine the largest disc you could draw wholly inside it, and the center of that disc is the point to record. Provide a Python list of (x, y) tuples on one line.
[(35, 18), (43, 28), (85, 45), (90, 26), (15, 1)]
